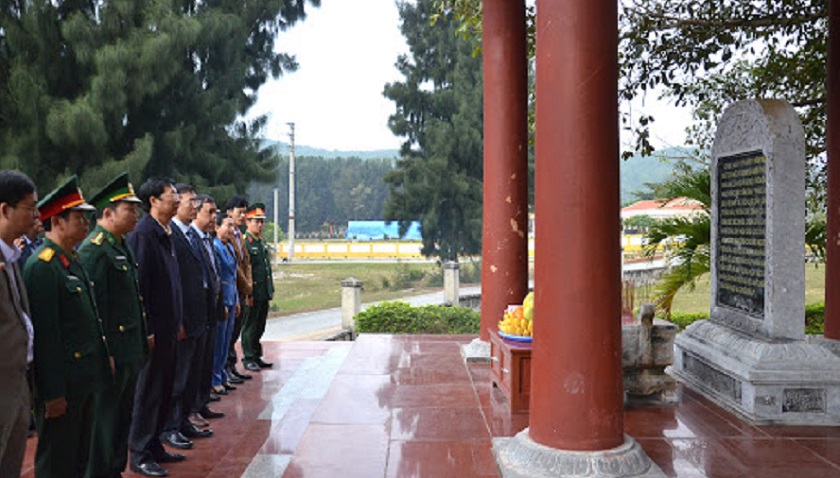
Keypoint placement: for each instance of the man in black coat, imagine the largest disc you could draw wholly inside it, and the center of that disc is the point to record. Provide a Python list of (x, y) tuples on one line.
[(160, 287), (197, 286)]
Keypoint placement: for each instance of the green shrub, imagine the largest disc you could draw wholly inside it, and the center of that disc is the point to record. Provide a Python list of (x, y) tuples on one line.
[(814, 318), (686, 319), (402, 318)]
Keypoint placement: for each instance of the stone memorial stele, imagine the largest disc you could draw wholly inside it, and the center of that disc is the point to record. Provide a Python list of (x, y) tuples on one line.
[(752, 355)]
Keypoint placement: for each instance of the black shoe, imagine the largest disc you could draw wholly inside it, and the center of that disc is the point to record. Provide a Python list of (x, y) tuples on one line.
[(176, 440), (220, 390), (262, 363), (238, 374), (149, 468), (228, 386), (214, 397), (191, 431), (166, 457), (234, 379), (208, 413), (252, 366)]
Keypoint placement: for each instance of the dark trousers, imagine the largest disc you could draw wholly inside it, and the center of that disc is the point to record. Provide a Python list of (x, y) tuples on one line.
[(152, 402), (205, 358), (111, 424), (186, 381), (237, 329), (252, 330), (64, 442)]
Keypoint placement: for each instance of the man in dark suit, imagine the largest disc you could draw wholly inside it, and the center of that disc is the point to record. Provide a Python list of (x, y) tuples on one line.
[(71, 357), (197, 287), (160, 287), (30, 241), (18, 212), (113, 269), (201, 228)]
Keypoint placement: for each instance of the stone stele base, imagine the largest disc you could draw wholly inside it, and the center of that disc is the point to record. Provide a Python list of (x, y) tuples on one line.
[(476, 351), (785, 382), (521, 457)]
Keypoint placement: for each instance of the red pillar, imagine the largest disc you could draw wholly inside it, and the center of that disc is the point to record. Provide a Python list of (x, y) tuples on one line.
[(504, 252), (832, 132), (576, 385)]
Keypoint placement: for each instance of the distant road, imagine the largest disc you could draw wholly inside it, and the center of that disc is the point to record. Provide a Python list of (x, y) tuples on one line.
[(321, 324)]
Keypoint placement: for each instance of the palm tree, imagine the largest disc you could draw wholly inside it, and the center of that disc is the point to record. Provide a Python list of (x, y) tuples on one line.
[(686, 240)]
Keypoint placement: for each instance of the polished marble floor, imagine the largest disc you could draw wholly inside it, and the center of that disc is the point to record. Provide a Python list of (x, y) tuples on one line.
[(408, 406)]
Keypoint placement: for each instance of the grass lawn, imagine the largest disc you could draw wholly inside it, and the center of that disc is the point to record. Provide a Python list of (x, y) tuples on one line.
[(304, 287), (697, 300)]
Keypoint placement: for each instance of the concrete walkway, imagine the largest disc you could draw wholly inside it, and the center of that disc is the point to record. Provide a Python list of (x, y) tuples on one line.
[(321, 324)]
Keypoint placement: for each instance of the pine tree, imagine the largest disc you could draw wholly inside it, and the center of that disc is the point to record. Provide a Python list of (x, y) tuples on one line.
[(439, 111), (155, 87)]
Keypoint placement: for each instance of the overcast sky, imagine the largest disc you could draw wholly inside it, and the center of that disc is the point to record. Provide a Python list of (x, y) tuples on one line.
[(347, 51)]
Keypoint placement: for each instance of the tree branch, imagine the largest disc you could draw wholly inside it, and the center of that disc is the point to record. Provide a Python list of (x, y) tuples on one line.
[(811, 102), (668, 22)]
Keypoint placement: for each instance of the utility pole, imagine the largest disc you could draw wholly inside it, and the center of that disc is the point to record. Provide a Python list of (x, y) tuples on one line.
[(291, 251), (276, 227)]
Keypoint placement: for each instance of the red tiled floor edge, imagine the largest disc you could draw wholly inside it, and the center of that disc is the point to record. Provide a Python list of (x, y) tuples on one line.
[(412, 408)]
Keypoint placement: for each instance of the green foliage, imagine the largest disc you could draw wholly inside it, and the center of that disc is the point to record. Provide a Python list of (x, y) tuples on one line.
[(815, 318), (155, 87), (268, 232), (438, 180), (683, 320), (709, 54), (402, 318), (685, 240), (641, 222), (333, 191)]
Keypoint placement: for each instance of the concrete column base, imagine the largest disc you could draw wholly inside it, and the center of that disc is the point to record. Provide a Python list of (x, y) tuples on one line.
[(521, 457), (476, 351)]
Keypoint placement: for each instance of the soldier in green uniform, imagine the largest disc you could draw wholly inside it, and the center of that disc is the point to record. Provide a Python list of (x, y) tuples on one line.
[(111, 265), (72, 361), (263, 290)]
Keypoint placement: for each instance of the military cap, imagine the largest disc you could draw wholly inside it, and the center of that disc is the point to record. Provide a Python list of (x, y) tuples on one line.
[(255, 211), (66, 197), (119, 189)]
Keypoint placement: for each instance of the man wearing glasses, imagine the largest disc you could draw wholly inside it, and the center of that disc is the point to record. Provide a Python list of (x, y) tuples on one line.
[(18, 213), (160, 287)]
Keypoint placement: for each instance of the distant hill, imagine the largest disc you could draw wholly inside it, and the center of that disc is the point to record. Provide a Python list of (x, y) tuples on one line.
[(639, 170), (635, 172), (300, 150)]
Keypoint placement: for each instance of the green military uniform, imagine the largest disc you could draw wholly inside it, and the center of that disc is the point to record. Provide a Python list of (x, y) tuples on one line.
[(111, 265), (253, 326), (71, 352)]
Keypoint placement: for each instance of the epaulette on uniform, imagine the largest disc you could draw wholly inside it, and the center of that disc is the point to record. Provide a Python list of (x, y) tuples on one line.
[(98, 239), (47, 254)]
